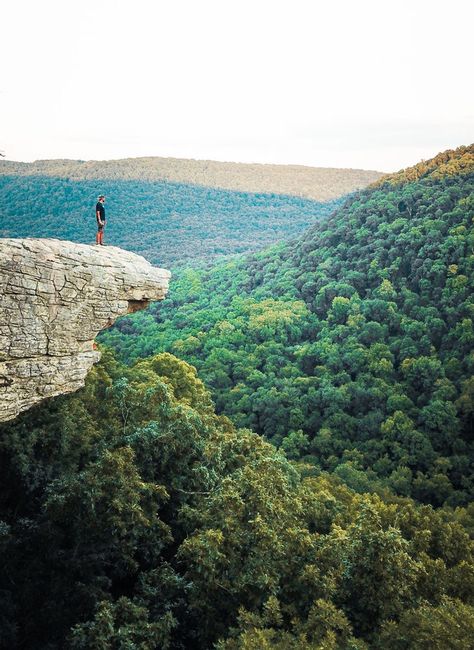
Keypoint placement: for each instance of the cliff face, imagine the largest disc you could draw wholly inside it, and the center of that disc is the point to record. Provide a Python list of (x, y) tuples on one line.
[(55, 296)]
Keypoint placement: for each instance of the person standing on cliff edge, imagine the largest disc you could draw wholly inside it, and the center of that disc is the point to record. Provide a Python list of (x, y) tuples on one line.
[(100, 216)]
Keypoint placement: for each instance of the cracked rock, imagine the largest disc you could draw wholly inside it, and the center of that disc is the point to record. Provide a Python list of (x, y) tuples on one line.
[(55, 296)]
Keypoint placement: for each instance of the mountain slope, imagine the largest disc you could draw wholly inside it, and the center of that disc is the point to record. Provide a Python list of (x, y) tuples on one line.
[(131, 515), (351, 348), (317, 183), (172, 211), (170, 224)]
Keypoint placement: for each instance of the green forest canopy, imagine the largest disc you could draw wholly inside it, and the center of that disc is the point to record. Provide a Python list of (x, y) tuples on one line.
[(351, 348), (132, 517), (317, 183), (171, 224)]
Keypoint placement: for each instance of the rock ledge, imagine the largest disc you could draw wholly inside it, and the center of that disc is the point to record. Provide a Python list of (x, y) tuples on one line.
[(55, 296)]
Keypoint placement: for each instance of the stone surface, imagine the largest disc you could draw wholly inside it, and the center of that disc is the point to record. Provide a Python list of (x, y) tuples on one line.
[(55, 296)]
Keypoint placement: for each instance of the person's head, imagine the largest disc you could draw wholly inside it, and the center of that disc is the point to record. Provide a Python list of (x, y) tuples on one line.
[(101, 198)]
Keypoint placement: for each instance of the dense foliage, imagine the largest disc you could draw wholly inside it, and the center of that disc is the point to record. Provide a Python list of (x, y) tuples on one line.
[(353, 347), (170, 224), (317, 183), (132, 517)]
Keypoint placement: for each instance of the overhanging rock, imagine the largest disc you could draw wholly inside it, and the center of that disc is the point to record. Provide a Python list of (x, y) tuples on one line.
[(55, 296)]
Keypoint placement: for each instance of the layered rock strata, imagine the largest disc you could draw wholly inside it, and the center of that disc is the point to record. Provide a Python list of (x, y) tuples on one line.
[(55, 296)]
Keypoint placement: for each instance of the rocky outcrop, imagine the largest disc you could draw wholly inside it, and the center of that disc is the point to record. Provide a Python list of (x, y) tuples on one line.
[(55, 296)]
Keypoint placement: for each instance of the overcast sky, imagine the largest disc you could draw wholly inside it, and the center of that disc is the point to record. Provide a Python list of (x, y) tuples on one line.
[(376, 84)]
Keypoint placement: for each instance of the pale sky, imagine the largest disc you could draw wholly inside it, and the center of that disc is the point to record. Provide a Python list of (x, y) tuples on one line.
[(375, 84)]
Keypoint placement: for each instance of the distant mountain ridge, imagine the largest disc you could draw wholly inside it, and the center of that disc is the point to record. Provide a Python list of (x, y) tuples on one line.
[(169, 223), (316, 183), (449, 163)]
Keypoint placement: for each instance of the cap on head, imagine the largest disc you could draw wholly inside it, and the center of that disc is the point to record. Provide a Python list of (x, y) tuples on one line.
[(101, 197)]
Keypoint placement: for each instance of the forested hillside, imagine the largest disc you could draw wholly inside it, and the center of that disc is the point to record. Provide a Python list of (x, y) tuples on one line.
[(171, 224), (132, 517), (317, 183), (351, 349)]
